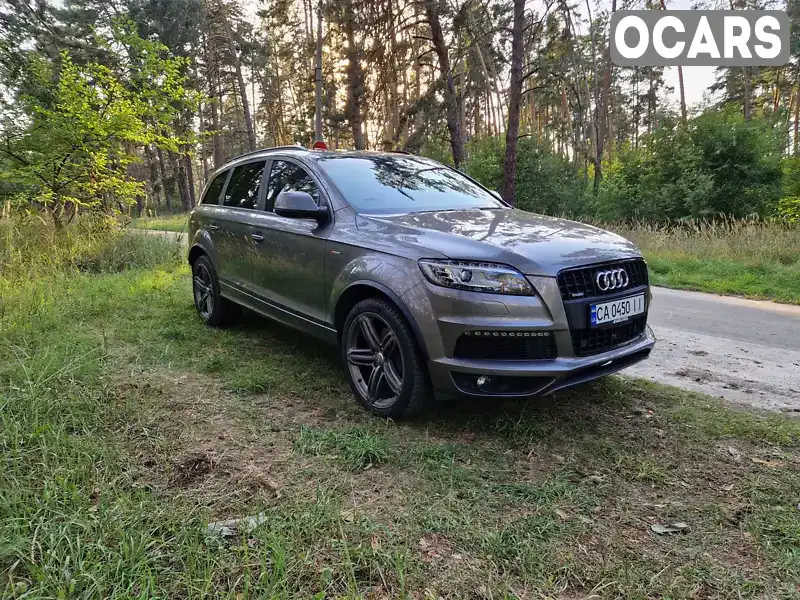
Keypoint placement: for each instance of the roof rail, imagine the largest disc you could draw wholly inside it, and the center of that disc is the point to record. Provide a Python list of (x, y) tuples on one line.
[(401, 152), (292, 147)]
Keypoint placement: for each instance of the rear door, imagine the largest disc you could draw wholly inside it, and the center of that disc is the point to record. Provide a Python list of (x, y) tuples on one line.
[(289, 271), (207, 214), (236, 245)]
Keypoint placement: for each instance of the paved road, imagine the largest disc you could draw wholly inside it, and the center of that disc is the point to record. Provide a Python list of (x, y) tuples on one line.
[(746, 351)]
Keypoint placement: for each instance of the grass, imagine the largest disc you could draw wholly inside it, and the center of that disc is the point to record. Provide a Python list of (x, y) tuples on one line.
[(165, 223), (126, 426), (743, 258)]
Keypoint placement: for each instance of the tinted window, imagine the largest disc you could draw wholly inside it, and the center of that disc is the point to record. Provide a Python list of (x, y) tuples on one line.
[(242, 190), (289, 177), (386, 184), (215, 189)]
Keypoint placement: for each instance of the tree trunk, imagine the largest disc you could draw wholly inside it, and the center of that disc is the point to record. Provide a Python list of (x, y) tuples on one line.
[(450, 98), (746, 75), (187, 162), (797, 116), (203, 154), (355, 80), (168, 184), (237, 65), (602, 114), (155, 185), (514, 95), (216, 138), (680, 79), (683, 93), (180, 174)]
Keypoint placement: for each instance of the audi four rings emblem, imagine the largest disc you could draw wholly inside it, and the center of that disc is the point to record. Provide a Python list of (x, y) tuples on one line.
[(615, 279)]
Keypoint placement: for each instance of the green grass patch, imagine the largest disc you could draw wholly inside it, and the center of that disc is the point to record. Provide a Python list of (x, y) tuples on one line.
[(742, 258), (765, 281), (165, 223), (126, 426), (357, 448)]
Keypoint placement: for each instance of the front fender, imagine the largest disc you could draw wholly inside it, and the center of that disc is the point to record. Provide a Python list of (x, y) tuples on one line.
[(391, 274)]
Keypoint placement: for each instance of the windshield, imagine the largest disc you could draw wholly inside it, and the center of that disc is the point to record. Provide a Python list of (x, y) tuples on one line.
[(392, 184)]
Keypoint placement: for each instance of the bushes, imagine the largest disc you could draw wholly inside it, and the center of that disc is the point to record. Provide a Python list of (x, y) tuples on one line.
[(718, 165), (546, 183), (789, 210)]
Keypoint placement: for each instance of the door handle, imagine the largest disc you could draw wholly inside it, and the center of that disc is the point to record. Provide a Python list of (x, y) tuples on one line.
[(213, 227), (257, 237)]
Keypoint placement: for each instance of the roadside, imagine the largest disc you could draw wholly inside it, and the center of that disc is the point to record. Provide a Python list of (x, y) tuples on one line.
[(745, 351), (151, 425)]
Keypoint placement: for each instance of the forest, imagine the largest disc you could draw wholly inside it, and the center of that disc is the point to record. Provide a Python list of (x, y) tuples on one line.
[(127, 106)]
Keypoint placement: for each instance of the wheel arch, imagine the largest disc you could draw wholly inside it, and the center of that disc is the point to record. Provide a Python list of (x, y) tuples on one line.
[(361, 290), (196, 252)]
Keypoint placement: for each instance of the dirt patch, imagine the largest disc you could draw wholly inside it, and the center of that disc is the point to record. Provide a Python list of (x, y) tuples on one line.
[(189, 468), (194, 439)]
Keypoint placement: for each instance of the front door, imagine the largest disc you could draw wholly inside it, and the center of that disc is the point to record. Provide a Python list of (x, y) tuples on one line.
[(289, 271), (236, 244)]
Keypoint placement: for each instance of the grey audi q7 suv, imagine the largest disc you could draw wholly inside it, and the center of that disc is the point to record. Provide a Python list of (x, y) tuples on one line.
[(423, 278)]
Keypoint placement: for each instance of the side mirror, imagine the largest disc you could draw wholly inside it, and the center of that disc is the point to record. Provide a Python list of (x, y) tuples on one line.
[(497, 195), (299, 205)]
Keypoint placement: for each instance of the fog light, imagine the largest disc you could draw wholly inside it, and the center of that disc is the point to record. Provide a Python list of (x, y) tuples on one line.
[(483, 381)]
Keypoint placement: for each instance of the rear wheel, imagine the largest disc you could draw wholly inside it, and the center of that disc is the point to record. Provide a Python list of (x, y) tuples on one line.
[(211, 306), (385, 368)]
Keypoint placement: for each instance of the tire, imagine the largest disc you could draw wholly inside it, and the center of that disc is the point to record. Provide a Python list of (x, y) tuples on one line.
[(383, 363), (215, 310)]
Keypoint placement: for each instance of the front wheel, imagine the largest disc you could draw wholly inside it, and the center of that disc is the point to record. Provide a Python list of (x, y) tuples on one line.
[(385, 367)]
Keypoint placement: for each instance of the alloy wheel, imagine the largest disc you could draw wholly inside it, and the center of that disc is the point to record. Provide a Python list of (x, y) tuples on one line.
[(375, 360), (203, 291)]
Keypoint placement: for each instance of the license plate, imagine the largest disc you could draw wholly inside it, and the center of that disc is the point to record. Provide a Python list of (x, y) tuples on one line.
[(617, 311)]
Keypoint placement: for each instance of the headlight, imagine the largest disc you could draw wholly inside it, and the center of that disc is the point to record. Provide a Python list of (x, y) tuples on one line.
[(476, 277)]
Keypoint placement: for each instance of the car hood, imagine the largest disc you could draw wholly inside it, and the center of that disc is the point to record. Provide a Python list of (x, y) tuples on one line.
[(534, 244)]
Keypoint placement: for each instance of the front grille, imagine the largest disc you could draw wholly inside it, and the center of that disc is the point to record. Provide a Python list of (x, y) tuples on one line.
[(582, 282), (593, 341), (506, 345)]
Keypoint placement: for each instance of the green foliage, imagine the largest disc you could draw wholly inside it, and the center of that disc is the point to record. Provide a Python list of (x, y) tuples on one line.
[(789, 210), (72, 141), (71, 153), (718, 165), (546, 183)]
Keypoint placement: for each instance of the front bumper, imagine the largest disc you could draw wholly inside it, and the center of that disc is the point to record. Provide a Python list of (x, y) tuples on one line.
[(536, 377), (443, 315)]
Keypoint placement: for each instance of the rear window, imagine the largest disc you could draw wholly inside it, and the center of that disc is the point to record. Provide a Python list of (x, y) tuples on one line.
[(215, 189), (242, 190)]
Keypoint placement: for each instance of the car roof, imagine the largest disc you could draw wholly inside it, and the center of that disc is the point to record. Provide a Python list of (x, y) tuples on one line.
[(310, 153)]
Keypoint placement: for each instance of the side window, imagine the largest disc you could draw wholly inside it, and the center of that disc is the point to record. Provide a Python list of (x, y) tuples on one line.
[(215, 189), (286, 177), (242, 190)]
